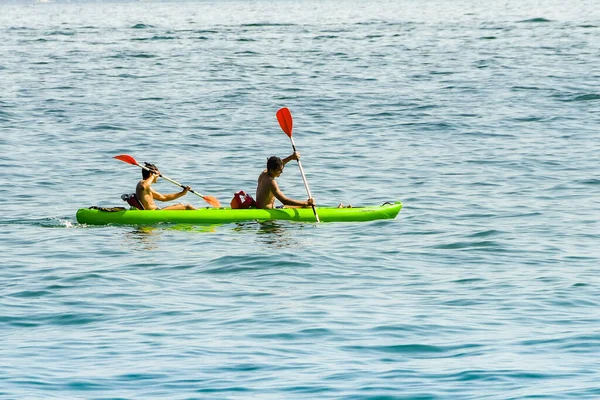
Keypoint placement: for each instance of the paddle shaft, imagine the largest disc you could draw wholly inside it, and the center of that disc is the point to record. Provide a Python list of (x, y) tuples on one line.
[(171, 180), (304, 179)]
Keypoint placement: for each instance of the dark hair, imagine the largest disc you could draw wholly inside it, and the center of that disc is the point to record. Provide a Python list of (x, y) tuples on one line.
[(273, 163), (151, 167)]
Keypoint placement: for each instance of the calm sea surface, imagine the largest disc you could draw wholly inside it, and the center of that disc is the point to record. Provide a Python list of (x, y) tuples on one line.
[(482, 117)]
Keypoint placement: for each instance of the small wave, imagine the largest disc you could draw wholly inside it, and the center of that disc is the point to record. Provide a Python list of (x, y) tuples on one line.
[(265, 24), (463, 303), (142, 26), (57, 223), (141, 55), (590, 181), (66, 319), (62, 33), (367, 23), (63, 87), (587, 97), (489, 134), (419, 349), (51, 222), (535, 20), (140, 376), (155, 38), (315, 332), (237, 264), (245, 367), (381, 114), (525, 88), (488, 37), (127, 76), (5, 116), (401, 348), (581, 343), (480, 375), (104, 127), (482, 245), (527, 119), (31, 294), (132, 55), (75, 319), (469, 280), (55, 111), (487, 233), (303, 334), (325, 37), (569, 97)]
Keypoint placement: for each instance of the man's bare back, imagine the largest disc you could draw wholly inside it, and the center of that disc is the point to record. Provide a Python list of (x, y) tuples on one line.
[(265, 189)]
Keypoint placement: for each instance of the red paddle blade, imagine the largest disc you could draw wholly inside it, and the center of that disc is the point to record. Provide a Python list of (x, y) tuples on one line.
[(284, 116), (126, 158), (212, 201)]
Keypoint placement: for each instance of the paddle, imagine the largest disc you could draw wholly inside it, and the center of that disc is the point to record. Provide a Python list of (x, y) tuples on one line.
[(130, 160), (284, 116)]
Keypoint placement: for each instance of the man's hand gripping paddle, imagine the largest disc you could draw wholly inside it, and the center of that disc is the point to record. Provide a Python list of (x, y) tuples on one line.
[(284, 116), (130, 160)]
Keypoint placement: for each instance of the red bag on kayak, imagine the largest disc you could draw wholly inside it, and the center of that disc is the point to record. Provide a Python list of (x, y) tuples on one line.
[(242, 200)]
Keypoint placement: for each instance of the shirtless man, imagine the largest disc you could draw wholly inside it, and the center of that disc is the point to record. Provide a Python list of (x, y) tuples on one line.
[(146, 194), (268, 190)]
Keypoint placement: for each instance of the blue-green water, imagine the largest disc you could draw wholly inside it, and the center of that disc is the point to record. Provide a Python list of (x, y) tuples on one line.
[(481, 117)]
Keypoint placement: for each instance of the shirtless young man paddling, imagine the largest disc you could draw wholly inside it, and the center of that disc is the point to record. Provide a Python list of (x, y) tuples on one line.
[(146, 194), (268, 190)]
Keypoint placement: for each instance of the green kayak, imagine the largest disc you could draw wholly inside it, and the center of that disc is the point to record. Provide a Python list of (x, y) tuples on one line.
[(96, 216)]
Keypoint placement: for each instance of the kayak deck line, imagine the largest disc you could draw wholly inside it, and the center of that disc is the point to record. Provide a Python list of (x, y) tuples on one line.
[(96, 216)]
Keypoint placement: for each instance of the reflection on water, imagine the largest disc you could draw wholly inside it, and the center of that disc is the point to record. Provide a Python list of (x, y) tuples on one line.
[(193, 228), (142, 237), (145, 237), (279, 234), (272, 233)]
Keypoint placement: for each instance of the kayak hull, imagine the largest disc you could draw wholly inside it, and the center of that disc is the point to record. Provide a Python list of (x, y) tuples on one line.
[(227, 215)]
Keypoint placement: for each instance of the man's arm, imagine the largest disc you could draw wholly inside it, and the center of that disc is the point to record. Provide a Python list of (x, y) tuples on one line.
[(294, 156), (285, 200), (171, 196), (146, 183)]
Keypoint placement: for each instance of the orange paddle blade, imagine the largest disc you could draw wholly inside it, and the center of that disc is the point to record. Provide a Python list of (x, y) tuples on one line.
[(284, 116), (212, 201), (126, 158)]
